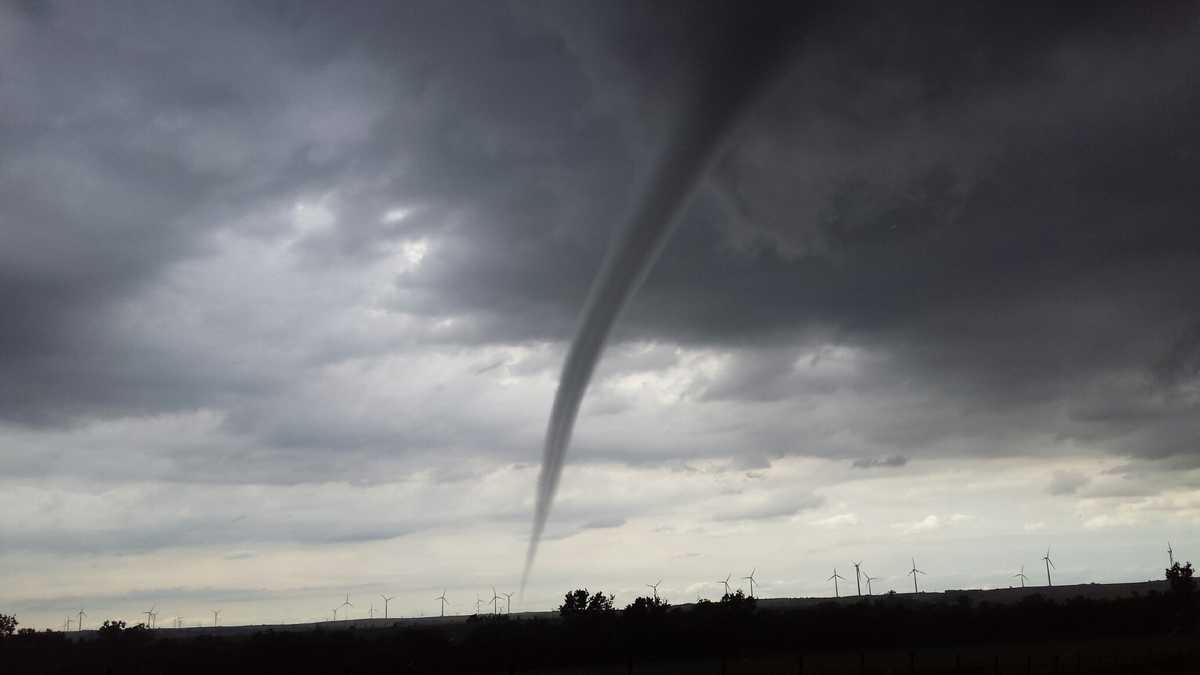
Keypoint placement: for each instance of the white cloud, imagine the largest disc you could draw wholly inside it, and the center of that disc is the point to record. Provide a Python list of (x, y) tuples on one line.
[(837, 520), (931, 523)]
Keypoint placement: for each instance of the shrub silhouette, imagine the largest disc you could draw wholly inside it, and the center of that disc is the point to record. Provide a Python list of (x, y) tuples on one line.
[(1183, 595), (579, 603), (646, 608), (1180, 579), (8, 624), (600, 603), (111, 628)]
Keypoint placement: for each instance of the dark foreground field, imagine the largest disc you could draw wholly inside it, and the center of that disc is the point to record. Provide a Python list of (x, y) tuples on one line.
[(1152, 632), (1135, 655)]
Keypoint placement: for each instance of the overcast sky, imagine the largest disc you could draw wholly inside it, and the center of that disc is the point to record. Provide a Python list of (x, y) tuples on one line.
[(285, 291)]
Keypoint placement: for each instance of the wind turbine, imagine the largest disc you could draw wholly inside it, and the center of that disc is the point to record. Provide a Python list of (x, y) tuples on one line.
[(834, 578), (478, 602), (869, 579), (751, 578), (1021, 575), (914, 572), (371, 612), (655, 587), (217, 618), (495, 601), (1049, 564), (149, 614), (726, 582), (1170, 555), (79, 623), (335, 609), (67, 625), (858, 577), (386, 600), (442, 597), (508, 601), (347, 603)]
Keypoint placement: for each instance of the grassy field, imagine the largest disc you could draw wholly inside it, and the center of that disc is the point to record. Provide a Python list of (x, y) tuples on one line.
[(1153, 655)]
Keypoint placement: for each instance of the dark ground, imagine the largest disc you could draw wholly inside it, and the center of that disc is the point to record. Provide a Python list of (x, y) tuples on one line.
[(1085, 629)]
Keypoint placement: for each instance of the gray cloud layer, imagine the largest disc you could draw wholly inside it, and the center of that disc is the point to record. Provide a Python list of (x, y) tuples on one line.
[(995, 225)]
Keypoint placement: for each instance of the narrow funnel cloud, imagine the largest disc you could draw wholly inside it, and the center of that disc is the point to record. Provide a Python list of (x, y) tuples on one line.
[(737, 60)]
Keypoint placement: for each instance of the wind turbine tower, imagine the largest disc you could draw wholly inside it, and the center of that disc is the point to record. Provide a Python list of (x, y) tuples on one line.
[(1021, 575), (508, 602), (371, 612), (914, 572), (868, 578), (655, 587), (858, 578), (79, 623), (1049, 564), (442, 597), (495, 601), (217, 618), (751, 579), (347, 603), (1170, 556), (149, 617), (386, 600), (836, 592), (726, 582)]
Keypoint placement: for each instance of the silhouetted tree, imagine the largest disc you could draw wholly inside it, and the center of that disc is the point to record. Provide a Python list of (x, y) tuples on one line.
[(110, 628), (8, 624), (738, 600), (600, 603), (1183, 594), (574, 602), (1179, 577), (644, 608), (578, 602)]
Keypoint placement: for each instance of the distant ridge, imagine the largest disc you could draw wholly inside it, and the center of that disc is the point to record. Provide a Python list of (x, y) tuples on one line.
[(996, 596)]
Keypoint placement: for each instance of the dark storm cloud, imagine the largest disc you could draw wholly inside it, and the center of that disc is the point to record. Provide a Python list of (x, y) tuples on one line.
[(995, 206), (128, 136), (133, 133)]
